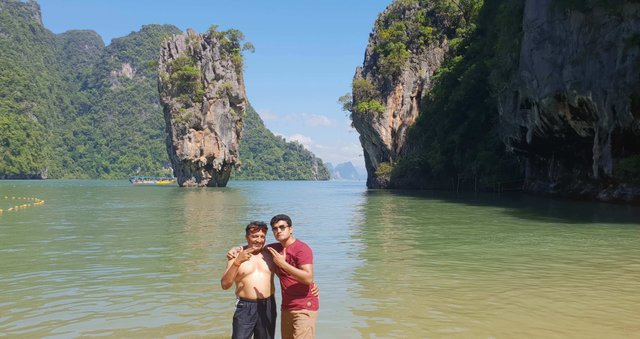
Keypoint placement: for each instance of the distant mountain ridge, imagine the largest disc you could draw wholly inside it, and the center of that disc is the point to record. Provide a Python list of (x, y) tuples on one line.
[(345, 171), (71, 107)]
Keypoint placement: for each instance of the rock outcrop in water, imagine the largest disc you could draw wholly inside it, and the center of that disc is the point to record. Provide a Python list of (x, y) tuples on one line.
[(574, 112), (203, 96), (387, 97)]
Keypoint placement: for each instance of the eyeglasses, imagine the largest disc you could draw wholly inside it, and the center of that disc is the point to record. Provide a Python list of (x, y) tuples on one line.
[(281, 228)]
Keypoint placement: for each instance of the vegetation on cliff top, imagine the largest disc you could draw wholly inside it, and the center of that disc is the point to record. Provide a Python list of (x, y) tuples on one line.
[(406, 28), (232, 42), (409, 27)]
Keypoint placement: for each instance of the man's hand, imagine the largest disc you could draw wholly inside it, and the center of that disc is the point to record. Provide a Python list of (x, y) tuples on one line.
[(242, 257), (304, 274), (278, 258), (315, 291), (233, 252)]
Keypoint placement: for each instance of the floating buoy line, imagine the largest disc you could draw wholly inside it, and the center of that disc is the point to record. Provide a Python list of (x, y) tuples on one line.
[(22, 203)]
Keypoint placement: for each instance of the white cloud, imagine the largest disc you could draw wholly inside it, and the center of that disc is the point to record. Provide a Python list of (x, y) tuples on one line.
[(339, 153), (333, 141), (315, 120), (302, 139), (335, 153), (267, 115), (349, 127), (308, 119)]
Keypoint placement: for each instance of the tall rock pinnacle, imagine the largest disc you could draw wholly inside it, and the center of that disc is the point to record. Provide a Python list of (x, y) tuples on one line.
[(389, 87), (203, 95)]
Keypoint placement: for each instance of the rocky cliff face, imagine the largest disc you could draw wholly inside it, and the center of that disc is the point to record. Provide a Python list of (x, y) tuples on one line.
[(568, 105), (203, 96), (574, 112), (386, 101)]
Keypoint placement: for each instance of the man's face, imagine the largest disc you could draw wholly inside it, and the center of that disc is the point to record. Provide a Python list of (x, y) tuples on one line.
[(281, 230), (256, 240)]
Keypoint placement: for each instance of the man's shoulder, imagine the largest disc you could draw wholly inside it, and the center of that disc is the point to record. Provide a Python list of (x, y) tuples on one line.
[(300, 245), (276, 246)]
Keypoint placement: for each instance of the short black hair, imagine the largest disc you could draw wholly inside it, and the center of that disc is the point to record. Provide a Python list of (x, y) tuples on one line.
[(279, 217), (256, 225)]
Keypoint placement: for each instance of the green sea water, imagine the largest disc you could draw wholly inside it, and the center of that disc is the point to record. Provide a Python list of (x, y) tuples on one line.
[(106, 258)]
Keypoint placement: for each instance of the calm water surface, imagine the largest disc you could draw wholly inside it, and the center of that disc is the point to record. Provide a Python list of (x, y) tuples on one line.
[(105, 258)]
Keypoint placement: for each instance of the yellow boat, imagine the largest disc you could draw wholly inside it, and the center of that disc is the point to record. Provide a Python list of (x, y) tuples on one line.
[(152, 180)]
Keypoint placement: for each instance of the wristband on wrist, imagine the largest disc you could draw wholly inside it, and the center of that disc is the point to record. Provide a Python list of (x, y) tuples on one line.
[(235, 263)]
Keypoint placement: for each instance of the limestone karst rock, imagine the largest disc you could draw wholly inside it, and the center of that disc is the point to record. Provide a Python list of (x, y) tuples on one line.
[(556, 84), (573, 111), (383, 129), (203, 95)]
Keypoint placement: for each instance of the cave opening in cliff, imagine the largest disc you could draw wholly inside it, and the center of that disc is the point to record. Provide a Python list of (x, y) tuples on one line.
[(625, 143), (561, 155)]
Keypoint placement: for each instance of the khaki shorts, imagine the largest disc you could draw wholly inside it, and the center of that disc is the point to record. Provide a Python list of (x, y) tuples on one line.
[(298, 324)]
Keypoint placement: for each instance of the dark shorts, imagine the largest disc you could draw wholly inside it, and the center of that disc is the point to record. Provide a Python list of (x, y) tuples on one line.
[(255, 318)]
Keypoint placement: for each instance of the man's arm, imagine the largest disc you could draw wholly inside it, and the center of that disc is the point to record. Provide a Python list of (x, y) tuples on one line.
[(304, 274), (229, 275), (233, 265)]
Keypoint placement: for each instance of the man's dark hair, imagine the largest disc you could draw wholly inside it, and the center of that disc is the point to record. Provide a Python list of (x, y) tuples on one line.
[(255, 226), (279, 217)]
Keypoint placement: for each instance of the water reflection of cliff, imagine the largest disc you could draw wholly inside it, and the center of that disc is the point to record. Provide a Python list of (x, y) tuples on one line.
[(392, 260), (214, 219)]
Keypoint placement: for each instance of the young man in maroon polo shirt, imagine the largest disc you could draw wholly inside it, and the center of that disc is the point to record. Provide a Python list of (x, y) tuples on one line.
[(294, 267)]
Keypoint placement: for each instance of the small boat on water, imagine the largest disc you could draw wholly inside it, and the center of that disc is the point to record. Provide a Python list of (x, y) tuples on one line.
[(152, 180)]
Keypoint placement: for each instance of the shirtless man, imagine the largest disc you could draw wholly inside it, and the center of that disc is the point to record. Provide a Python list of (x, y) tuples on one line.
[(252, 271)]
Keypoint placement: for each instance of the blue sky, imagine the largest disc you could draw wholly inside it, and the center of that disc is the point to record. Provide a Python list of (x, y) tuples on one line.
[(306, 54)]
